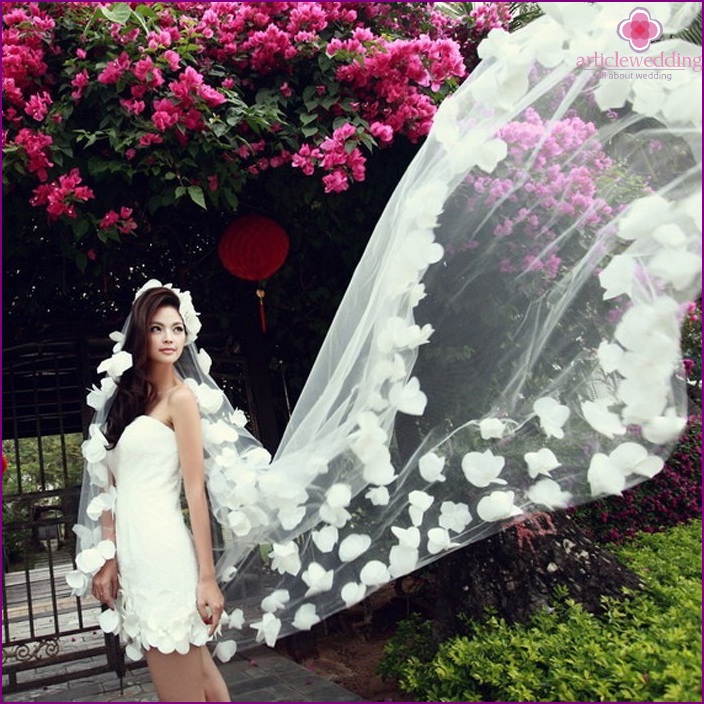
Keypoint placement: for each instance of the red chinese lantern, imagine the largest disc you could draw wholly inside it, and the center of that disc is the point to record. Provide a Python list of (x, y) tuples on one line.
[(4, 463), (253, 247)]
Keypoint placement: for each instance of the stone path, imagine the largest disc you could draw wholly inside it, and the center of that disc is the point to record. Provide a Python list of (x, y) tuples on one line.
[(260, 675)]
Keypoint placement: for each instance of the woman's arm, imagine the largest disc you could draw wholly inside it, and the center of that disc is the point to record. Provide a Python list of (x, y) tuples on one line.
[(186, 421)]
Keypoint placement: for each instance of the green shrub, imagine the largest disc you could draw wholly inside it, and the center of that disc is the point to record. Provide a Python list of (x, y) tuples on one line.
[(647, 648)]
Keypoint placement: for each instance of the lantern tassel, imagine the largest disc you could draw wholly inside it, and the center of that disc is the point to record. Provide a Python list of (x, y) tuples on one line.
[(262, 315)]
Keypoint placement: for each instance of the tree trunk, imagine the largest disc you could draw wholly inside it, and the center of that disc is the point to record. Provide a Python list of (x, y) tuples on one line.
[(515, 573)]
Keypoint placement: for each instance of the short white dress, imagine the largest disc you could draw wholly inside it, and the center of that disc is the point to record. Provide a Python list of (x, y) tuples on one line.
[(156, 607)]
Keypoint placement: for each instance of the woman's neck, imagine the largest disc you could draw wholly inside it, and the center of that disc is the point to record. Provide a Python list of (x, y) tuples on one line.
[(162, 377)]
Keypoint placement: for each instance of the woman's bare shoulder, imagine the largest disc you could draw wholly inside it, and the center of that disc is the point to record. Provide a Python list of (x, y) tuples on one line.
[(181, 397)]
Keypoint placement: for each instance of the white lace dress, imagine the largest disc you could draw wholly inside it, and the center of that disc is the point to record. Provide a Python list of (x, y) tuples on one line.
[(156, 558)]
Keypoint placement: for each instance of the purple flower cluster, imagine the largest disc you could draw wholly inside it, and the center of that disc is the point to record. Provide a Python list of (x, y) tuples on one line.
[(567, 164)]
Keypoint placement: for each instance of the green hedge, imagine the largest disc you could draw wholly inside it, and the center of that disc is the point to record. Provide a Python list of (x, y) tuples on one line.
[(647, 648)]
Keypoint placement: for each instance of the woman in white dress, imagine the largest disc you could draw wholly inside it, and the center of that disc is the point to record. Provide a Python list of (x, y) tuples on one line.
[(162, 579)]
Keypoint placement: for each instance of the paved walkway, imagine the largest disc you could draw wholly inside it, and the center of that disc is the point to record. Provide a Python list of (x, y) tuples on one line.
[(261, 675)]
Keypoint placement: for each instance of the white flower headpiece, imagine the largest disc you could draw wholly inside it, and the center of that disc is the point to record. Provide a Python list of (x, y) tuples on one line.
[(186, 309)]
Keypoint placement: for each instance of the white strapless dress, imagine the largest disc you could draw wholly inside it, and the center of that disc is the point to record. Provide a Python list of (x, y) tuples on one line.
[(156, 558)]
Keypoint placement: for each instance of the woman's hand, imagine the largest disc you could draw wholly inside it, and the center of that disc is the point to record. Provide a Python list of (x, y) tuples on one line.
[(210, 602), (106, 583)]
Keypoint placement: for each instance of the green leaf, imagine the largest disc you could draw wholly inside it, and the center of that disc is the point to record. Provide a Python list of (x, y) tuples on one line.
[(81, 261), (80, 227), (231, 198), (196, 194), (307, 118), (119, 12), (310, 131)]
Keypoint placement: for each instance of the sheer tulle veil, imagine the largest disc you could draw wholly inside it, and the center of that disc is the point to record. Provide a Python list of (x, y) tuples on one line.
[(509, 342)]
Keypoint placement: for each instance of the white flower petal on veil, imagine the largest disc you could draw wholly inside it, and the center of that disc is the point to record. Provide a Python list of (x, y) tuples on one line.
[(95, 448), (105, 501), (236, 619), (353, 546), (483, 468), (317, 579), (541, 462), (118, 338), (291, 516), (407, 537), (325, 538), (397, 334), (98, 397), (664, 429), (98, 472), (408, 398), (276, 600), (548, 492), (420, 502), (78, 582), (374, 573), (643, 215), (454, 516), (642, 401), (218, 432), (439, 541), (639, 323), (604, 477), (632, 458), (267, 629), (365, 441), (391, 370), (352, 593), (338, 495), (209, 400), (225, 650), (552, 416), (106, 548), (89, 561), (430, 467), (285, 558), (609, 356), (497, 506), (238, 418), (378, 468), (402, 560), (239, 523), (204, 360), (617, 277), (378, 496), (109, 621), (604, 421), (678, 268), (491, 428), (116, 365), (305, 617), (670, 235), (612, 92), (336, 517)]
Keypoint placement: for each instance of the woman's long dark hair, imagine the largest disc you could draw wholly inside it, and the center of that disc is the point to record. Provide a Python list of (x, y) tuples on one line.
[(134, 391)]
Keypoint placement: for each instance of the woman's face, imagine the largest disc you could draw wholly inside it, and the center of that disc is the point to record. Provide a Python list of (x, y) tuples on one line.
[(167, 335)]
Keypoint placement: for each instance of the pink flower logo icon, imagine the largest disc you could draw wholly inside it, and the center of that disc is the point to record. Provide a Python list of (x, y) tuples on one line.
[(639, 29)]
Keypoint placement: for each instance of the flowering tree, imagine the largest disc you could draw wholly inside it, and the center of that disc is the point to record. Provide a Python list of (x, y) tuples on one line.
[(113, 111)]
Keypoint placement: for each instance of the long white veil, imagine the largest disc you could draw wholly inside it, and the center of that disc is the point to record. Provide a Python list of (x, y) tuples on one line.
[(509, 342)]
